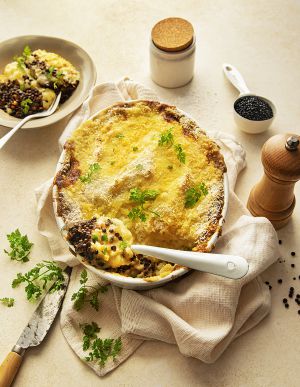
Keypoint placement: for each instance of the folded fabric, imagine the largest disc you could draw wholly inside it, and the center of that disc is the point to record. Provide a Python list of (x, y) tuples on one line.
[(200, 313)]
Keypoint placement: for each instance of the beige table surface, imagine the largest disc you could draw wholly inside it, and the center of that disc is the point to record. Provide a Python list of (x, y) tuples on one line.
[(261, 38)]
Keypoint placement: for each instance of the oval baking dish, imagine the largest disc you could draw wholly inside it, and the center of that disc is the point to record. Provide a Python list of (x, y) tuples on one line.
[(172, 116)]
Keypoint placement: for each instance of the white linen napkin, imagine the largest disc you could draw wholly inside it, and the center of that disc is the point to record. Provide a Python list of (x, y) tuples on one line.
[(200, 313)]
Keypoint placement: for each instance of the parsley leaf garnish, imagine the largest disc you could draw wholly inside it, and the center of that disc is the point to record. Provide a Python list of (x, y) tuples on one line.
[(25, 105), (83, 295), (166, 138), (93, 168), (180, 153), (192, 195), (26, 51), (20, 246), (100, 349), (123, 245), (104, 237), (120, 135), (141, 197), (39, 277), (9, 302)]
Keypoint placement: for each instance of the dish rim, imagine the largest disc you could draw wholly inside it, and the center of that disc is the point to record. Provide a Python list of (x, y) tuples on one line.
[(115, 278), (61, 113)]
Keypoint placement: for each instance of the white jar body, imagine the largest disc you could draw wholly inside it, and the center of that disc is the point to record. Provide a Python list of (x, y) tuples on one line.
[(172, 69)]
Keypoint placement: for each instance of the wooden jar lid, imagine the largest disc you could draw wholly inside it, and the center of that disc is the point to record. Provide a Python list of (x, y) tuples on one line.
[(280, 162), (172, 34)]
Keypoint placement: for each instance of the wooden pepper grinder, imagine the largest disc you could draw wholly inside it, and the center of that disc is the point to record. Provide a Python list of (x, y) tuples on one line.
[(273, 196)]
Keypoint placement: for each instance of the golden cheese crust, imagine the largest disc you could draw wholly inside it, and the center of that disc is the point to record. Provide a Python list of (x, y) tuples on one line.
[(144, 147)]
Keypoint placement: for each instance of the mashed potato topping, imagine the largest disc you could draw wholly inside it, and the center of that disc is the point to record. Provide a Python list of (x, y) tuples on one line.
[(148, 166), (31, 82)]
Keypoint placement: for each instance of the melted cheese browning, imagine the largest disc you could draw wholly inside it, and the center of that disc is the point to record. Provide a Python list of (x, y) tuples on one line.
[(124, 141)]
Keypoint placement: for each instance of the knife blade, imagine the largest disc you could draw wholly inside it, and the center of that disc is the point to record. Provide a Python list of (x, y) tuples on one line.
[(34, 332)]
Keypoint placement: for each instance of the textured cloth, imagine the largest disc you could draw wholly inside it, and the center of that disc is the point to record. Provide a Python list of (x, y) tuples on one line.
[(200, 313)]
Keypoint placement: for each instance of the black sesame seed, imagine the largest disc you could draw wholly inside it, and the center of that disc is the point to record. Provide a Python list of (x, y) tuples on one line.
[(292, 265), (114, 248), (297, 295), (280, 241), (299, 311), (280, 281), (286, 305), (284, 300), (293, 253), (267, 283), (294, 278), (253, 108), (270, 287), (291, 289)]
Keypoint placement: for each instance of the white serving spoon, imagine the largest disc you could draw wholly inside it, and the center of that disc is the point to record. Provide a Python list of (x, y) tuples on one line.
[(46, 113), (246, 125), (229, 266)]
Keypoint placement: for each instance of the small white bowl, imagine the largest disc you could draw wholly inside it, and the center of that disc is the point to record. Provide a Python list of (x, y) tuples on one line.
[(68, 50), (251, 126)]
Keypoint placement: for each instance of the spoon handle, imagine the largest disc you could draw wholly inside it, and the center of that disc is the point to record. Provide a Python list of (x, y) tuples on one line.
[(229, 266), (5, 138), (235, 77)]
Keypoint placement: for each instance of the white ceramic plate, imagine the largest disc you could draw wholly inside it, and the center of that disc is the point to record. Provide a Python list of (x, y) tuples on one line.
[(129, 282), (68, 50)]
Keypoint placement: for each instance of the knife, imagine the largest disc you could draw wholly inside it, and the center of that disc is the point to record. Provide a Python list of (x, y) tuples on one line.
[(34, 332)]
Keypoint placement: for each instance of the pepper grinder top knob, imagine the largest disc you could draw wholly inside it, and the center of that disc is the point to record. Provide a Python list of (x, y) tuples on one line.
[(281, 157)]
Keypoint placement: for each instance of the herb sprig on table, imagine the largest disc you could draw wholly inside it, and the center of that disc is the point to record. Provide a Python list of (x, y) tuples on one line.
[(82, 295), (100, 349), (193, 195), (20, 246), (39, 277), (9, 302), (93, 168), (140, 198)]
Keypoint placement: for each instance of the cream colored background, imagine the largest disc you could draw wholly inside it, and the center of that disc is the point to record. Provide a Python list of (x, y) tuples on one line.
[(261, 38)]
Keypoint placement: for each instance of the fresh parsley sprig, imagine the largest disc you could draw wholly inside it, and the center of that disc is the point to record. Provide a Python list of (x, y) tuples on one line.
[(167, 138), (39, 277), (100, 349), (180, 153), (25, 105), (141, 197), (20, 246), (193, 194), (83, 295), (93, 168), (21, 59), (9, 302)]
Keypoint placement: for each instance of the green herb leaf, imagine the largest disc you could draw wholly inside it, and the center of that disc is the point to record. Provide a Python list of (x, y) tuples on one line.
[(180, 153), (90, 333), (193, 194), (123, 245), (9, 302), (26, 52), (83, 295), (166, 138), (25, 105), (104, 237), (120, 135), (20, 246), (93, 168), (140, 197), (139, 167), (137, 213), (95, 238), (39, 277), (100, 349)]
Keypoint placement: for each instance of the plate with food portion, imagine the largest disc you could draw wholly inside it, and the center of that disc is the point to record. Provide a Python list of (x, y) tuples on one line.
[(34, 70), (139, 172)]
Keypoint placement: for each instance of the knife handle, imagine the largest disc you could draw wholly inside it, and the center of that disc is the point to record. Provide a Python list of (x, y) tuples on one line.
[(9, 368)]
